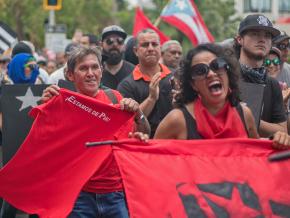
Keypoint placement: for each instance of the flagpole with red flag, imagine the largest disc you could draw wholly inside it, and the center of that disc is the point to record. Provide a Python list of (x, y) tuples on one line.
[(142, 22)]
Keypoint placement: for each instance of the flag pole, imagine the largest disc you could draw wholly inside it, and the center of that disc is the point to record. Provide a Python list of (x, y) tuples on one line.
[(279, 156), (113, 142), (157, 21)]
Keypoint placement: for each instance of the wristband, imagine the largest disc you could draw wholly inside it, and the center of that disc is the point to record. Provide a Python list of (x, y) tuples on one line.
[(139, 117)]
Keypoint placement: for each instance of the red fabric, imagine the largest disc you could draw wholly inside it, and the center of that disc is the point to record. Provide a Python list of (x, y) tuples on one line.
[(283, 20), (142, 22), (52, 165), (137, 74), (226, 123), (188, 20), (179, 178), (107, 178)]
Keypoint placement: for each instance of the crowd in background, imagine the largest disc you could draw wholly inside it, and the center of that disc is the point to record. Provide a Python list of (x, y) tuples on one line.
[(183, 96)]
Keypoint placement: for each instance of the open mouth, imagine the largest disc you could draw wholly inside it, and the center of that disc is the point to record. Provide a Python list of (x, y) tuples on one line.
[(215, 87)]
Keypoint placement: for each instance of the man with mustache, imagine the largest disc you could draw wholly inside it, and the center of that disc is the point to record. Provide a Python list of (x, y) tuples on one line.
[(253, 44), (115, 68)]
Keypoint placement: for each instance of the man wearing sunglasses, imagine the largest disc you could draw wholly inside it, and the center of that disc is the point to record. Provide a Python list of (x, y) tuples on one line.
[(282, 43), (253, 44), (273, 63), (115, 68)]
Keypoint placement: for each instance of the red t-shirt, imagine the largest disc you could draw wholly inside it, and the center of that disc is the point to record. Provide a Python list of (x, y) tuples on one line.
[(53, 164), (108, 177)]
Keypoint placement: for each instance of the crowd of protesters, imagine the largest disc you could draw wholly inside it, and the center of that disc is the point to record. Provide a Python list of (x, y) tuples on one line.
[(183, 96)]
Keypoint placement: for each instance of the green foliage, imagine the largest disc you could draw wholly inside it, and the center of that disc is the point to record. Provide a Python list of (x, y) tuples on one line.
[(221, 12), (27, 17), (217, 15)]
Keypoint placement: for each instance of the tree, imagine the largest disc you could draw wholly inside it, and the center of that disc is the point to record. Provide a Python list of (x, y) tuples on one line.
[(27, 17), (222, 13), (217, 14)]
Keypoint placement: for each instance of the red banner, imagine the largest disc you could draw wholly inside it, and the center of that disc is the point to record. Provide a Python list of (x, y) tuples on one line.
[(53, 164), (204, 178)]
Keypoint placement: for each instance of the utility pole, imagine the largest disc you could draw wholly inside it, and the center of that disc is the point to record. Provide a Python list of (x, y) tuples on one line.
[(51, 19)]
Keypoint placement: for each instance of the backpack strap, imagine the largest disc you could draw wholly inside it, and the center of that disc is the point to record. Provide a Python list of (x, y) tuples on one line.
[(111, 95)]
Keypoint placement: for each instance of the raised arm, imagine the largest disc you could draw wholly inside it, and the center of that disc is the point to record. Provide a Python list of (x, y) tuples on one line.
[(148, 104)]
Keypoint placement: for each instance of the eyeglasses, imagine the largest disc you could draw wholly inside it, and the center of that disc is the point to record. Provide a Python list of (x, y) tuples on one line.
[(111, 41), (283, 46), (200, 71), (31, 66), (275, 61)]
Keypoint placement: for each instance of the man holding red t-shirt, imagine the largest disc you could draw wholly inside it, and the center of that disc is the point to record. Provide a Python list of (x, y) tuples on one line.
[(102, 196)]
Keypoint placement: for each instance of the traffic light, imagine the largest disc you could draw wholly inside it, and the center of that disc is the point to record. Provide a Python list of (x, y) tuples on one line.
[(52, 4)]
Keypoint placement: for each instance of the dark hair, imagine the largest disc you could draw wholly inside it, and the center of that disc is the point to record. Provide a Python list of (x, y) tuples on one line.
[(129, 54), (21, 47), (79, 53), (93, 39), (188, 94), (237, 48)]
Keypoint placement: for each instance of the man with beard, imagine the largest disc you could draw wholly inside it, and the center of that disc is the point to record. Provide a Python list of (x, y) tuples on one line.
[(253, 43), (149, 83), (115, 68)]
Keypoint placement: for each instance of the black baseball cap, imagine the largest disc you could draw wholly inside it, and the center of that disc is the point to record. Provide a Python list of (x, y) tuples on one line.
[(283, 35), (114, 29), (257, 22), (21, 47)]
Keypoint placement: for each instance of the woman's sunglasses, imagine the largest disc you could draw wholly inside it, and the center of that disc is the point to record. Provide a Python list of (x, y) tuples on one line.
[(119, 40), (200, 71), (31, 66), (275, 61)]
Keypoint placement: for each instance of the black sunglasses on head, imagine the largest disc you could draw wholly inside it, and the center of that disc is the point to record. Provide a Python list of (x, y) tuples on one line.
[(283, 46), (200, 71), (119, 41)]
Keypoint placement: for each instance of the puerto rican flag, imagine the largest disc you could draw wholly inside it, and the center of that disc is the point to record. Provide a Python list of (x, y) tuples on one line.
[(183, 14)]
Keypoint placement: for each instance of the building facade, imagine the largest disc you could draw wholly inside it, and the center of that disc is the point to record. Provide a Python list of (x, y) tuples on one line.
[(275, 10)]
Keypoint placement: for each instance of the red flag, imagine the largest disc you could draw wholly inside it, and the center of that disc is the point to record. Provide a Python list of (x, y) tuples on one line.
[(53, 163), (204, 178), (142, 22), (184, 15), (283, 20)]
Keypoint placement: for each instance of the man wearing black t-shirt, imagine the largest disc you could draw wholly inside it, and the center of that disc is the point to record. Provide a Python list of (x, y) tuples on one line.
[(254, 42), (149, 83), (115, 68)]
